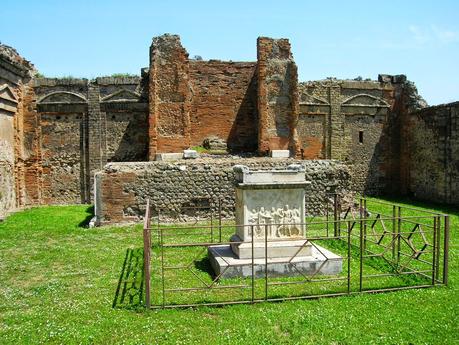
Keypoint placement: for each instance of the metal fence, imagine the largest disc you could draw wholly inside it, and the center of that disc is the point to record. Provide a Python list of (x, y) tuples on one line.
[(380, 247)]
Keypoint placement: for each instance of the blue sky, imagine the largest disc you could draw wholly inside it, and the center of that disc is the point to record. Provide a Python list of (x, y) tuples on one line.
[(343, 39)]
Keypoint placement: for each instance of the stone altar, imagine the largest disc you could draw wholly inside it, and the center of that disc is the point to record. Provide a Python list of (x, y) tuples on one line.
[(270, 223)]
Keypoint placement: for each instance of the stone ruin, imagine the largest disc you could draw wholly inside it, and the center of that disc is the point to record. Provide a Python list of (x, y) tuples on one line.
[(61, 136)]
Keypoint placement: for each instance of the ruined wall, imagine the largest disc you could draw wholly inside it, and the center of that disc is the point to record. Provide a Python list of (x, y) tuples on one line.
[(15, 74), (169, 96), (191, 100), (224, 103), (352, 121), (8, 107), (277, 96), (123, 188), (61, 112), (83, 125), (56, 133), (431, 159), (124, 105)]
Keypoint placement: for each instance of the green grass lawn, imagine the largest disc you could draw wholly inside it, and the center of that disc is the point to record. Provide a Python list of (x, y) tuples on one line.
[(58, 281)]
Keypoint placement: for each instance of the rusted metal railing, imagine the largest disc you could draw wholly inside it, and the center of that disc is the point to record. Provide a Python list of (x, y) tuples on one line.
[(380, 251), (147, 253)]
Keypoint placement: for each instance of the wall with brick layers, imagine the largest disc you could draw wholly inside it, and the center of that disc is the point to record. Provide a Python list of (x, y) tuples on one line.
[(191, 100), (431, 139), (7, 183), (123, 188), (350, 121), (76, 126), (277, 96), (223, 103), (14, 73)]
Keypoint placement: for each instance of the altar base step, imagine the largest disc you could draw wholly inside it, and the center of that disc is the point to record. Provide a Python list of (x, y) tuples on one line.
[(226, 263)]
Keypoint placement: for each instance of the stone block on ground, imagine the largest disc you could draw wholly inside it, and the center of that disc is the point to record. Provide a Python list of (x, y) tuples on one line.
[(190, 154), (280, 153), (168, 156), (214, 143)]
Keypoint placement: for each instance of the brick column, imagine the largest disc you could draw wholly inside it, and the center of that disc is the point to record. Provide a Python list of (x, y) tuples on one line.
[(169, 96), (32, 147), (96, 133), (278, 105), (336, 125)]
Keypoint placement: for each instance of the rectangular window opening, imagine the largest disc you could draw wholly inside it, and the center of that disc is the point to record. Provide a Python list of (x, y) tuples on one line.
[(360, 137)]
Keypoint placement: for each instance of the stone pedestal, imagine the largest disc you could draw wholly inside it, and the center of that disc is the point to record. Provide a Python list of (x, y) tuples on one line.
[(227, 265), (270, 226)]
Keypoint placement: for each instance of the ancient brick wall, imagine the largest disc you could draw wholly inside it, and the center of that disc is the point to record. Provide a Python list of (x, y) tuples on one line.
[(224, 103), (61, 115), (124, 187), (277, 96), (56, 133), (81, 125), (15, 74), (191, 100), (169, 96), (7, 110), (431, 159), (124, 105), (352, 121), (61, 158)]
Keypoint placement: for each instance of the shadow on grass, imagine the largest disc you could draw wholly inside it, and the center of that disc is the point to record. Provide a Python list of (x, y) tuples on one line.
[(378, 263), (129, 292), (89, 215), (204, 265)]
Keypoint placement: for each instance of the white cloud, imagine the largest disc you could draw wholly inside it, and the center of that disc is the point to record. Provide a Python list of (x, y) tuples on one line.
[(420, 36), (445, 36), (433, 34)]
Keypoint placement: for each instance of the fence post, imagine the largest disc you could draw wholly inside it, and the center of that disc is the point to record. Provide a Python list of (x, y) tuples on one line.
[(253, 265), (349, 257), (399, 232), (364, 224), (147, 253), (161, 246), (266, 262), (437, 264), (446, 250), (335, 215), (394, 234), (434, 251), (327, 202), (211, 227), (159, 224), (361, 244), (220, 220), (339, 214)]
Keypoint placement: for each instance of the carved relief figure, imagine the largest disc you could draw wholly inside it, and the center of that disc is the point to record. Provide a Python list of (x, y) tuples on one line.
[(282, 222)]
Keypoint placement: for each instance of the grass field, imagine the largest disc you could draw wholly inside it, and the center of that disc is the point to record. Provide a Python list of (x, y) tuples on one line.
[(58, 281)]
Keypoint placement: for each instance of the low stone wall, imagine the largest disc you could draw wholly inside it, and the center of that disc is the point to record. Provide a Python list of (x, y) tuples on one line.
[(123, 188), (430, 164)]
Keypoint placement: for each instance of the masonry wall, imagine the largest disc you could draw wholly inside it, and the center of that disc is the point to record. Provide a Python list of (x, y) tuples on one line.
[(7, 183), (123, 188), (169, 96), (81, 125), (224, 103), (431, 139), (355, 122), (15, 74), (124, 107), (277, 96), (56, 133), (191, 100)]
